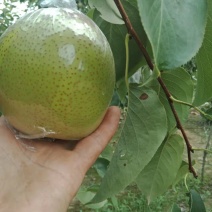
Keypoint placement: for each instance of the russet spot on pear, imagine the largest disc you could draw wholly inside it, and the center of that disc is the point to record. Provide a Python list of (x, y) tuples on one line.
[(56, 74)]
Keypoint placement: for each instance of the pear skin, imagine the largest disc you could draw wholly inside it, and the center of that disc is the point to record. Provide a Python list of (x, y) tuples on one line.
[(57, 74)]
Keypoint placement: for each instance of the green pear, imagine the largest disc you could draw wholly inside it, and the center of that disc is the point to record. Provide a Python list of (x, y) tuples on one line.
[(56, 74)]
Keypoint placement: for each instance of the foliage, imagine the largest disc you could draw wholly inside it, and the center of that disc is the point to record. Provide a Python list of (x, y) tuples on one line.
[(10, 11), (174, 33), (204, 64), (116, 33), (131, 199)]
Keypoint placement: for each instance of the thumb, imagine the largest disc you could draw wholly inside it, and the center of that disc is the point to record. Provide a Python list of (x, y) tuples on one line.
[(91, 147)]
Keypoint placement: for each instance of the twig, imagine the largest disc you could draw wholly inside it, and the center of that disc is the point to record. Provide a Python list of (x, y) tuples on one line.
[(133, 33)]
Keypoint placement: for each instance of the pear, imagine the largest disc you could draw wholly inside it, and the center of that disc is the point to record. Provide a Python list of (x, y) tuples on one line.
[(57, 74)]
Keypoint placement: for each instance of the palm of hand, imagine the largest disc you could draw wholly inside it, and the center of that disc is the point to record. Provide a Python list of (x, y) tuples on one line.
[(48, 173)]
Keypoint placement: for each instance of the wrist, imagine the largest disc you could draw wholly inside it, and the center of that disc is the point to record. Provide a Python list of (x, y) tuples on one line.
[(33, 197), (40, 204)]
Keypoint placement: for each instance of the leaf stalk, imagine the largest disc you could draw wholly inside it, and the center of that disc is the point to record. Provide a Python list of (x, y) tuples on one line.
[(205, 115), (127, 60)]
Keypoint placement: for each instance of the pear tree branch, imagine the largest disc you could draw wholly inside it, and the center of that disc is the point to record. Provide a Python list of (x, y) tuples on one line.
[(134, 35)]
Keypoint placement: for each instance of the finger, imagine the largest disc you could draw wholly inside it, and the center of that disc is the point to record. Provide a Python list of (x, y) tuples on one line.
[(91, 147)]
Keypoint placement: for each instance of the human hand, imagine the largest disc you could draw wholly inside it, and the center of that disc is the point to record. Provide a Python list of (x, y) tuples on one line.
[(41, 175)]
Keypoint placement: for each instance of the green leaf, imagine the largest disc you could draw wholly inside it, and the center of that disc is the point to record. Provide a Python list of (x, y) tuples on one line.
[(204, 65), (109, 11), (101, 165), (180, 85), (195, 202), (108, 152), (116, 37), (143, 132), (183, 170), (175, 29), (122, 90), (115, 203), (159, 174), (85, 196), (175, 208)]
